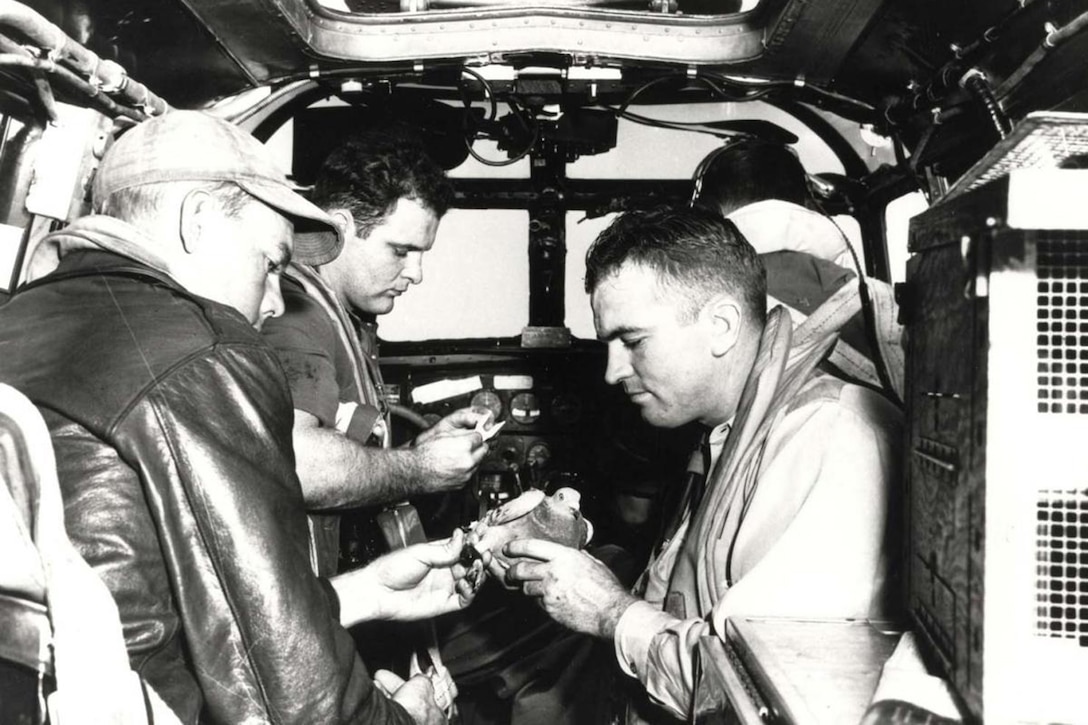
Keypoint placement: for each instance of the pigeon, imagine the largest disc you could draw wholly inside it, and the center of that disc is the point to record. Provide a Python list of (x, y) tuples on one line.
[(532, 515)]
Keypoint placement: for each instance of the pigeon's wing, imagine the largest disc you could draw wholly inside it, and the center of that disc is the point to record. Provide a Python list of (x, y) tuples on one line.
[(515, 509)]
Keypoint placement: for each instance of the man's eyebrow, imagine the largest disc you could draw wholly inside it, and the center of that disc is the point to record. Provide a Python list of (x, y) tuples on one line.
[(285, 254), (408, 245), (619, 332)]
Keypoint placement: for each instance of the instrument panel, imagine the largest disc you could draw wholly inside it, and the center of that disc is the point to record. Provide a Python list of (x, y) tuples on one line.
[(563, 427), (551, 406)]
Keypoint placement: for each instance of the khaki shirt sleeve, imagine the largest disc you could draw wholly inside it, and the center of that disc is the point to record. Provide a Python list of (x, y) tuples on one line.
[(834, 464)]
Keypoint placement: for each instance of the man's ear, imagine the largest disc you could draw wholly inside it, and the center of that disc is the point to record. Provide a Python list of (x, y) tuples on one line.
[(196, 215), (725, 318), (344, 220)]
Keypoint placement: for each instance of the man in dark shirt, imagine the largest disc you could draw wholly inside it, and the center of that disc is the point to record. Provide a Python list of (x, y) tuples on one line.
[(388, 196)]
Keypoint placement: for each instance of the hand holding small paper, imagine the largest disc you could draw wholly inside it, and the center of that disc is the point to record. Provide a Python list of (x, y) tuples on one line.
[(488, 433)]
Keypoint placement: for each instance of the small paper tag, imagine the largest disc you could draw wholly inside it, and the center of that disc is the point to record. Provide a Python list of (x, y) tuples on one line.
[(489, 433)]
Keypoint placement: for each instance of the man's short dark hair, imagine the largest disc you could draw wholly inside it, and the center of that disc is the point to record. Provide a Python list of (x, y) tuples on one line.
[(374, 169), (695, 252), (750, 170)]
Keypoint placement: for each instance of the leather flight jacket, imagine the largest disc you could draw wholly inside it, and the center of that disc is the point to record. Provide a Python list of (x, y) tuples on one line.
[(171, 421)]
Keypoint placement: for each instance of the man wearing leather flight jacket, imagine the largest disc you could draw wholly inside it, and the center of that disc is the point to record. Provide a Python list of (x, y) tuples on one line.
[(172, 420)]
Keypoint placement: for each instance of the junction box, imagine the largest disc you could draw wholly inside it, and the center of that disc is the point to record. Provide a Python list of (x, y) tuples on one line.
[(996, 306)]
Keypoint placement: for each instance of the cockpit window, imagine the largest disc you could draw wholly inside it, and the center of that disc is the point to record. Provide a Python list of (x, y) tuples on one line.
[(670, 140), (580, 234), (676, 154), (478, 270), (897, 216), (477, 275)]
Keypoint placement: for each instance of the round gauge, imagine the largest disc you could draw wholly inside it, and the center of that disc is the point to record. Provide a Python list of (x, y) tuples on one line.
[(567, 409), (525, 408), (490, 400), (538, 455)]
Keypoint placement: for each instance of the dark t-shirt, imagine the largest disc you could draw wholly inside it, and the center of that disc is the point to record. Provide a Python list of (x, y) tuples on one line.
[(317, 365), (319, 371)]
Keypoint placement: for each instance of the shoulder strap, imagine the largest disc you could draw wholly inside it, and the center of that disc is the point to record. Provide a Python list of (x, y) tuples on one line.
[(366, 376), (786, 361)]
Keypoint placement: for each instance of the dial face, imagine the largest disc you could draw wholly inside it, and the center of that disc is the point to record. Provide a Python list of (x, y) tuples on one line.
[(525, 408), (490, 400), (567, 409), (538, 455)]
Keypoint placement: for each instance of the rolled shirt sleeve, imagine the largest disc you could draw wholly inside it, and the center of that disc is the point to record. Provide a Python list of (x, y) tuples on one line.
[(657, 649)]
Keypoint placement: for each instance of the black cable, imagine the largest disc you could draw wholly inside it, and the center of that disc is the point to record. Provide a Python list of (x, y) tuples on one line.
[(507, 162), (527, 122), (706, 79), (752, 90), (747, 95), (644, 87), (690, 126), (868, 314), (768, 86), (1053, 39), (470, 134), (975, 83), (489, 95)]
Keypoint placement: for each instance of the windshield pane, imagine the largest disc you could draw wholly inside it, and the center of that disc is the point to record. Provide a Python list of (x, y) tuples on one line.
[(580, 234), (475, 280), (653, 152), (897, 218)]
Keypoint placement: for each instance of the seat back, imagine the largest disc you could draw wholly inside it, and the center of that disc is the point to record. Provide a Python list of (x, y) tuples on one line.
[(63, 633)]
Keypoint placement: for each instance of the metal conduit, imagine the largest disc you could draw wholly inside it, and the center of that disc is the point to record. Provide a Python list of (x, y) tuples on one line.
[(54, 54)]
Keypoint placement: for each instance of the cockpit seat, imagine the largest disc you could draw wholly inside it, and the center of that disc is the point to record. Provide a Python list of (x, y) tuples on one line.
[(62, 651)]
